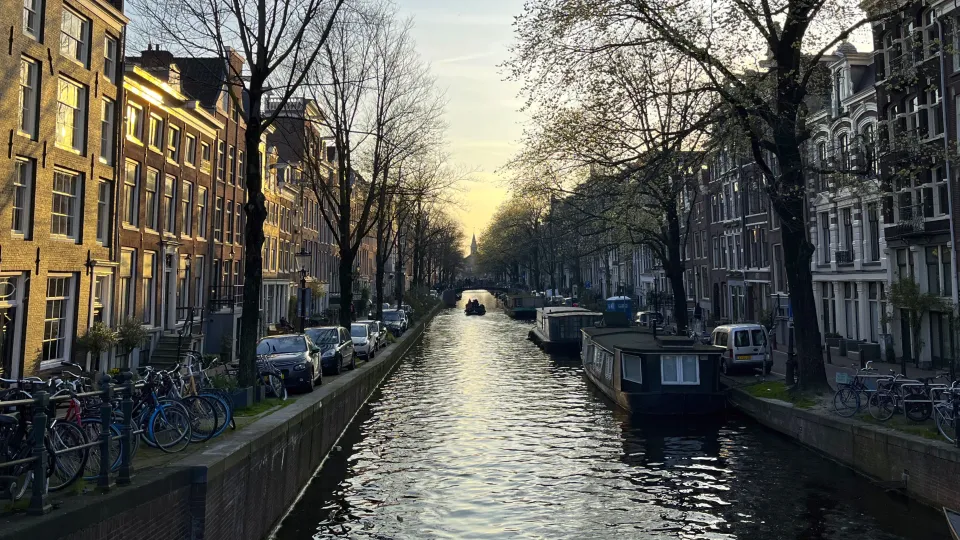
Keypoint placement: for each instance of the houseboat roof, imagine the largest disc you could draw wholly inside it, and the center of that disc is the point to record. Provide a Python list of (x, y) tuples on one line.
[(642, 340), (564, 311)]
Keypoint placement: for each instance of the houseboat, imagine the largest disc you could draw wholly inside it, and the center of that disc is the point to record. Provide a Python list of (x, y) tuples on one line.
[(656, 375), (522, 306), (558, 328)]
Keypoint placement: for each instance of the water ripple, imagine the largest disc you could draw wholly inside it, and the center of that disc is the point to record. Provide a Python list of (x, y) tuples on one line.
[(478, 434)]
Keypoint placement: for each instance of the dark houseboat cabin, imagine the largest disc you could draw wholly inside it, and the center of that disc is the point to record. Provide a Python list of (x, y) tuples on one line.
[(558, 328), (647, 374)]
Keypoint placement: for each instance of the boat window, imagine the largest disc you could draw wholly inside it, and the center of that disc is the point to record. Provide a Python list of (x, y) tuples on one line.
[(741, 338), (631, 368), (759, 338), (679, 369)]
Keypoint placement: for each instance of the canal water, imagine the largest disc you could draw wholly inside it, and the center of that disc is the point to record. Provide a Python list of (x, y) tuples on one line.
[(478, 434)]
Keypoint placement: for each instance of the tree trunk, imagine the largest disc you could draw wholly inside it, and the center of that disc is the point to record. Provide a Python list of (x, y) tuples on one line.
[(674, 268), (256, 214), (346, 289)]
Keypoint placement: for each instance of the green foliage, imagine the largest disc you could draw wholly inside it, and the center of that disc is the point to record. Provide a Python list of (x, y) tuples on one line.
[(258, 408), (222, 381), (97, 339), (906, 295), (131, 334), (779, 390)]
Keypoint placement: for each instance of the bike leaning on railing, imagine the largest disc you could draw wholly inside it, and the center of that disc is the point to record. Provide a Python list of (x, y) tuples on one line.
[(852, 394)]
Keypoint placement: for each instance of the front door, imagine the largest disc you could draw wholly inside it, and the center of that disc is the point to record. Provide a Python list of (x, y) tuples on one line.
[(905, 340), (8, 323)]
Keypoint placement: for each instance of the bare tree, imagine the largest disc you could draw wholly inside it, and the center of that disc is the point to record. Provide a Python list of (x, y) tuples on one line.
[(279, 41)]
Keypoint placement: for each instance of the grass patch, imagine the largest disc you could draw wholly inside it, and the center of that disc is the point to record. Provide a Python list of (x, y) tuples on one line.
[(927, 430), (778, 390), (262, 407)]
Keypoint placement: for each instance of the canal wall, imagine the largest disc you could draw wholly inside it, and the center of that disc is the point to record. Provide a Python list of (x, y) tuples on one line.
[(235, 489), (926, 469)]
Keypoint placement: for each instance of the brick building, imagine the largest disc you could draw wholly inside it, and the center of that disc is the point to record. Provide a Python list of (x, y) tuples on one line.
[(57, 248)]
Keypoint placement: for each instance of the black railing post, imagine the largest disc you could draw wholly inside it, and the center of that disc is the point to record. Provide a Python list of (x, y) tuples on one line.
[(106, 420), (39, 504), (956, 420), (125, 473)]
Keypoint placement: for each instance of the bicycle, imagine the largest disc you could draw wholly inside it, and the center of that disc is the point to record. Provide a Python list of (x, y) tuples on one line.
[(847, 400), (943, 412)]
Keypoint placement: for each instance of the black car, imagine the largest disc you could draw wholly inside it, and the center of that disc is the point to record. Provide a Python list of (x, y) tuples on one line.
[(395, 320), (297, 358), (336, 348)]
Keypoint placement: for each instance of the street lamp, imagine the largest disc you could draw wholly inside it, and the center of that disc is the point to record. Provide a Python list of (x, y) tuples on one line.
[(303, 258)]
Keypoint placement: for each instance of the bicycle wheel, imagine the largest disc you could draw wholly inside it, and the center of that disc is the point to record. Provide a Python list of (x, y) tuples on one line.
[(69, 461), (224, 411), (203, 417), (916, 405), (275, 387), (170, 427), (92, 429), (945, 422), (846, 402), (882, 404)]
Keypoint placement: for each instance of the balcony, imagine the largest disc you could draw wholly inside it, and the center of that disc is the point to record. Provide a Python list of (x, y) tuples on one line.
[(844, 257), (910, 223), (225, 296)]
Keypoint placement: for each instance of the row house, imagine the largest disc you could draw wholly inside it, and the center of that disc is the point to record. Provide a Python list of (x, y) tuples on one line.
[(58, 251), (850, 270)]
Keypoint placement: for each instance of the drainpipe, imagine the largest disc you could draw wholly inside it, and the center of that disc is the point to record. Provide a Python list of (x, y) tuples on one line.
[(946, 147)]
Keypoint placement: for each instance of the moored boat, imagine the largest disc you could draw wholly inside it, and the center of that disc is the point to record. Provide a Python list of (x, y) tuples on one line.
[(558, 328), (953, 522), (657, 375), (472, 309), (522, 306)]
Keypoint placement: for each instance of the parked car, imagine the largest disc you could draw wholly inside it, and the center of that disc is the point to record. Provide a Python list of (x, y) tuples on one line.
[(408, 310), (434, 293), (396, 321), (376, 334), (363, 343), (645, 318), (746, 347), (297, 358), (336, 348)]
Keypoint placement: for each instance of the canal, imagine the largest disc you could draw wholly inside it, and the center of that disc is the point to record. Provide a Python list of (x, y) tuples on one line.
[(478, 434)]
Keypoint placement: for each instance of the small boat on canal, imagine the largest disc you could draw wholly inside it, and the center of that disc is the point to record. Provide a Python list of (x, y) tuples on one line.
[(475, 309), (558, 328), (522, 306), (653, 375), (953, 522)]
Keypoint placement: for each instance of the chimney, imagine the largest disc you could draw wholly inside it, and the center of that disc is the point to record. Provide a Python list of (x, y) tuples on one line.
[(236, 62), (160, 64)]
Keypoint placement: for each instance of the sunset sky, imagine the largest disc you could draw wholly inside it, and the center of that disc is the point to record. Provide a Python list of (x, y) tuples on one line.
[(465, 41)]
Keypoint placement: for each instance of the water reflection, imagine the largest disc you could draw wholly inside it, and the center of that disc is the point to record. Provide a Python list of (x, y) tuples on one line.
[(480, 435)]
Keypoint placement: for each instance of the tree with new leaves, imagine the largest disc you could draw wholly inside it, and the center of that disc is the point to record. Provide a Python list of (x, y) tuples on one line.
[(758, 57), (279, 41)]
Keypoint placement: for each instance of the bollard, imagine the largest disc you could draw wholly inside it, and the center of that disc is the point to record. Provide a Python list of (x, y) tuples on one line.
[(956, 421), (39, 504), (106, 420), (125, 473)]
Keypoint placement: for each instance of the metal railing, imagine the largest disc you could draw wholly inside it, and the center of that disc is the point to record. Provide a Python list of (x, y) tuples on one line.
[(225, 296), (911, 220), (43, 407), (844, 256)]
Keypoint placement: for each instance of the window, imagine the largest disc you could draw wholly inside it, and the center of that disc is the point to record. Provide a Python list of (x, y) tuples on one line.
[(183, 287), (169, 204), (939, 270), (825, 237), (156, 133), (198, 271), (202, 211), (131, 193), (29, 96), (679, 370), (190, 151), (826, 310), (846, 215), (153, 181), (232, 165), (57, 328), (237, 223), (843, 151), (128, 259), (64, 215), (631, 368), (218, 220), (75, 36), (135, 123), (149, 286), (229, 218), (874, 296), (173, 144), (243, 167), (110, 58), (23, 196), (205, 156), (71, 115), (221, 160), (186, 208), (32, 18), (102, 293), (104, 193), (851, 299), (107, 108)]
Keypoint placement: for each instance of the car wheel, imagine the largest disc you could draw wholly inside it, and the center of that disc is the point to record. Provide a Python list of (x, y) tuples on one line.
[(353, 362), (723, 367), (338, 365), (313, 378), (373, 352)]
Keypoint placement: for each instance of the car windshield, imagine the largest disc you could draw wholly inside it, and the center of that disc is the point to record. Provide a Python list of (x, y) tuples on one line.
[(358, 330), (279, 345), (324, 336), (391, 315)]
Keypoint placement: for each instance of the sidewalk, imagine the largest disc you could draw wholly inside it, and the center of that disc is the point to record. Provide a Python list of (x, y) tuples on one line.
[(844, 364)]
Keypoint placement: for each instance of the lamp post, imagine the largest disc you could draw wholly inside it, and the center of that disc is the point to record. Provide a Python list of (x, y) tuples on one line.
[(303, 258)]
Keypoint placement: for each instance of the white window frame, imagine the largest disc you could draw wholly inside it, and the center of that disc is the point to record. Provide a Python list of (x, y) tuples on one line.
[(108, 115), (156, 133), (29, 97), (154, 224), (134, 119), (203, 205), (173, 144), (103, 211), (626, 374), (170, 204), (149, 307), (186, 208), (128, 292), (75, 42), (71, 115), (680, 372), (65, 321), (72, 201), (34, 11), (131, 194), (25, 174), (110, 47), (190, 151)]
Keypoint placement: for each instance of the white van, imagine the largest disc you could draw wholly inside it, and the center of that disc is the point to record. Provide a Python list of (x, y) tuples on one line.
[(746, 347)]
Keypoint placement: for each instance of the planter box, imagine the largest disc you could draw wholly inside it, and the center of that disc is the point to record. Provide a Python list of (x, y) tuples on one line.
[(852, 344), (242, 397), (832, 341), (870, 352), (835, 352)]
